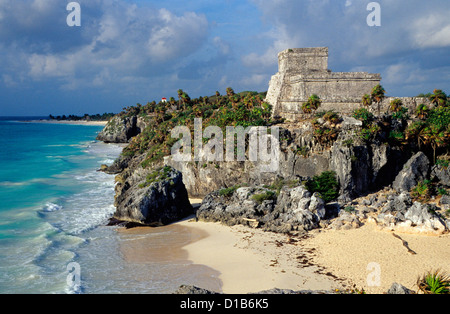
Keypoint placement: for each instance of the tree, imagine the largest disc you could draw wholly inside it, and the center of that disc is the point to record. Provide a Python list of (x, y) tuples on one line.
[(230, 92), (366, 100), (378, 94), (314, 101), (312, 104), (395, 105), (422, 111), (438, 98)]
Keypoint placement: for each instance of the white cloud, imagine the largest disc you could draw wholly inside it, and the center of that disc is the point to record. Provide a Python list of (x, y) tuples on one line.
[(432, 30), (117, 39)]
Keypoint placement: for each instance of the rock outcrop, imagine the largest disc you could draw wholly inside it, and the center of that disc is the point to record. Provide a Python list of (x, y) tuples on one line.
[(294, 209), (414, 171), (121, 129), (157, 198)]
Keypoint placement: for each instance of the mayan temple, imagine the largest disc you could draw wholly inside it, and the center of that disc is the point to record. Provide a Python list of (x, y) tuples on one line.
[(303, 72)]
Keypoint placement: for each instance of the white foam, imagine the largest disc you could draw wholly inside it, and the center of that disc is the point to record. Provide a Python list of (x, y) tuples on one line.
[(50, 207)]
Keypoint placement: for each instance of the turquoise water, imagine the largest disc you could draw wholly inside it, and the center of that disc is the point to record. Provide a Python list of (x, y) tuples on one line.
[(54, 207), (51, 197)]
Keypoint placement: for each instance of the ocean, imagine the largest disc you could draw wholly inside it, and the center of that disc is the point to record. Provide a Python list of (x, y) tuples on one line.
[(54, 207)]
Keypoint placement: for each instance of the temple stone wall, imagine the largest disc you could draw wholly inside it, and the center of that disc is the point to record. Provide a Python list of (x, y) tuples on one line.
[(303, 72)]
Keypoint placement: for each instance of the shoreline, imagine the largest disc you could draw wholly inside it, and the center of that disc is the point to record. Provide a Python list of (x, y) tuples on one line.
[(247, 260), (96, 123), (252, 260)]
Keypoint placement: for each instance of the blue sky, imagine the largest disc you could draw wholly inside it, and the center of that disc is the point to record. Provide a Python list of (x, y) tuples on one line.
[(134, 51)]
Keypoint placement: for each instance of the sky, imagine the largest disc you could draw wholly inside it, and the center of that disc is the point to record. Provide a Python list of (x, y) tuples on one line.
[(135, 51)]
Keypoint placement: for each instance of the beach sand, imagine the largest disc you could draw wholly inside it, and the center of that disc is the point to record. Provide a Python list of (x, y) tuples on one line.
[(69, 122), (247, 260), (357, 255), (251, 260)]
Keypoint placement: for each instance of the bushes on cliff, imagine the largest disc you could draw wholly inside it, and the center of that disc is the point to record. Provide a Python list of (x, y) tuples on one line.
[(326, 184), (242, 109)]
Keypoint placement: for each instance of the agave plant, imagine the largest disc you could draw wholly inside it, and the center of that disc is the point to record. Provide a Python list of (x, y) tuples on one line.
[(436, 282)]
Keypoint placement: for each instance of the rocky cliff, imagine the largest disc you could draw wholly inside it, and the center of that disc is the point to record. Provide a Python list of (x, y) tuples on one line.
[(121, 129), (374, 159)]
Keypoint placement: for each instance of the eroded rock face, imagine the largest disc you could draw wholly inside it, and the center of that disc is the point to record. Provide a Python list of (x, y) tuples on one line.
[(294, 209), (121, 129), (157, 198), (414, 171)]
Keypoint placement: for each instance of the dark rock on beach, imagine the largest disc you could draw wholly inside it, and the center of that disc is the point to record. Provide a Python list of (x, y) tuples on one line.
[(293, 209), (159, 198)]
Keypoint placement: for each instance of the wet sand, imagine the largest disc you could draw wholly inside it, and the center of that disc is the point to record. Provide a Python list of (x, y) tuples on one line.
[(162, 246)]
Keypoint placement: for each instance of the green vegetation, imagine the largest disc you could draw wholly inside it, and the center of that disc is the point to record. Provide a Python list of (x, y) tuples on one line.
[(363, 115), (443, 163), (434, 132), (85, 117), (349, 209), (312, 104), (422, 191), (229, 191), (435, 282), (158, 175), (378, 94), (261, 197), (242, 109), (370, 128), (326, 133), (366, 100), (279, 183), (326, 184)]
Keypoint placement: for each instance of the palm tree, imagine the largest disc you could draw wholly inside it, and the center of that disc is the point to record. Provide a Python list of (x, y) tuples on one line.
[(438, 98), (377, 95), (395, 105), (230, 92), (422, 111), (312, 104), (314, 101), (366, 100)]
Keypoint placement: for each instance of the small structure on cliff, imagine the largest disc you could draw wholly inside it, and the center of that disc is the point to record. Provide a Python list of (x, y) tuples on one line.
[(303, 72)]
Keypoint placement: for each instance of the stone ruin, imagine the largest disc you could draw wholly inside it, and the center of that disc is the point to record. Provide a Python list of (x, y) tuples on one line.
[(303, 72)]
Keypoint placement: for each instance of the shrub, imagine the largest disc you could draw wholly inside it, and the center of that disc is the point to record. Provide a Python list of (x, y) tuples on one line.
[(435, 282), (268, 195), (159, 174), (326, 184), (363, 115), (422, 191), (229, 191)]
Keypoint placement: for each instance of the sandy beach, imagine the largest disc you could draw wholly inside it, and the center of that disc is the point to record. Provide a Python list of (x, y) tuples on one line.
[(69, 122), (249, 260)]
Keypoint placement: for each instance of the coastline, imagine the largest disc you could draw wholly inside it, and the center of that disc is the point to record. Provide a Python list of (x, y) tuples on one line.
[(247, 260), (98, 123), (251, 260)]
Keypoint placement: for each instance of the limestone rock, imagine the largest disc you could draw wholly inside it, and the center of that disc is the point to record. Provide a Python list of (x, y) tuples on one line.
[(442, 174), (397, 288), (414, 171), (293, 209), (121, 129), (159, 199)]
